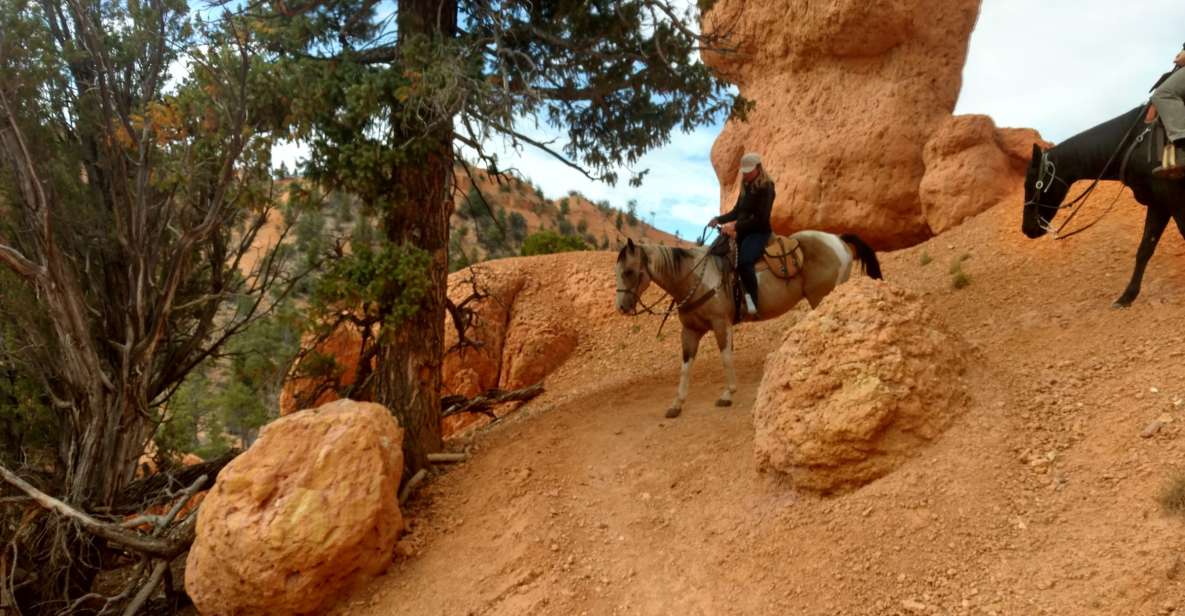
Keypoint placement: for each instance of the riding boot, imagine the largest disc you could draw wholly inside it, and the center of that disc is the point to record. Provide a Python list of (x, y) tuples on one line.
[(1172, 163)]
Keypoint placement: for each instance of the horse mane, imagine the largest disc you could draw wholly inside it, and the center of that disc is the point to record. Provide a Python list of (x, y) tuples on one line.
[(670, 260), (1092, 148)]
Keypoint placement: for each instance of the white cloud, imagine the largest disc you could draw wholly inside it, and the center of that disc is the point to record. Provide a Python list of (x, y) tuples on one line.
[(1060, 66)]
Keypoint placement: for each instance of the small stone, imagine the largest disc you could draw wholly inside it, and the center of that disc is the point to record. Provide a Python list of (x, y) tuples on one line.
[(913, 606), (1154, 390), (1165, 418), (555, 547), (1151, 429)]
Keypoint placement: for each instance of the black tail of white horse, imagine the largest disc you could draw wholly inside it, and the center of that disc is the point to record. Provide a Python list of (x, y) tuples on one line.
[(864, 254)]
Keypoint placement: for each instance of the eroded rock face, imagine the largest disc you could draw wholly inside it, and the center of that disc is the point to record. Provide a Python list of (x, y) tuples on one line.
[(525, 328), (344, 346), (857, 387), (309, 509), (966, 172), (848, 93)]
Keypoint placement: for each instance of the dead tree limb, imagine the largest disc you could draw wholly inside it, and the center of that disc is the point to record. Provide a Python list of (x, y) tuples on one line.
[(411, 484), (141, 597), (167, 548), (160, 523), (483, 403), (447, 458), (154, 490), (465, 316)]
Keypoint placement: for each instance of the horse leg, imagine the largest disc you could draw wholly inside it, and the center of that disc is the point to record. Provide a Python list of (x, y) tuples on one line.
[(1155, 221), (690, 348), (724, 341), (1179, 218)]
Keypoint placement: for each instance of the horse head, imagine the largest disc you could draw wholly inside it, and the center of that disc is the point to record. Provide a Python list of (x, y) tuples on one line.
[(1044, 193), (633, 277)]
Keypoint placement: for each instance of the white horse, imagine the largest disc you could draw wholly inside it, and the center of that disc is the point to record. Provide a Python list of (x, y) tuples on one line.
[(704, 292)]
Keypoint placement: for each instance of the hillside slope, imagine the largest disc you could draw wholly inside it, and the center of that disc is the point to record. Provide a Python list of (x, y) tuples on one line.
[(495, 222), (1041, 499)]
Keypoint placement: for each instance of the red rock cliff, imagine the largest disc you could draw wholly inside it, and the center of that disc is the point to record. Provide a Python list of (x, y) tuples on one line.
[(848, 94)]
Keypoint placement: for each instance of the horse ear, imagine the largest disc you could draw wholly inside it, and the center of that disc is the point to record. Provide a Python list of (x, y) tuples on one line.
[(629, 243)]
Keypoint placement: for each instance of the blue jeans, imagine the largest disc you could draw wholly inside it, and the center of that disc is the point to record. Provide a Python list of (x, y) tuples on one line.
[(751, 248)]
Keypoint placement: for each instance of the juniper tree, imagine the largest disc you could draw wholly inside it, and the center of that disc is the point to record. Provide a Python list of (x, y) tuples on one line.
[(129, 207), (386, 101)]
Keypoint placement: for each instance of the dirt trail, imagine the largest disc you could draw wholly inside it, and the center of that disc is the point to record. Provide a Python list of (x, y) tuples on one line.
[(1040, 500)]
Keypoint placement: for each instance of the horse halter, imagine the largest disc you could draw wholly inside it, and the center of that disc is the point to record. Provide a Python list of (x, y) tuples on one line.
[(1046, 176), (634, 291)]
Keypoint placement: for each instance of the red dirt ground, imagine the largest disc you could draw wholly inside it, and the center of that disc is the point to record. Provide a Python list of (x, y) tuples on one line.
[(1041, 499)]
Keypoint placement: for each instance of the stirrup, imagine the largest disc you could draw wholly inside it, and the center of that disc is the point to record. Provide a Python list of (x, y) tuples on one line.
[(1169, 168), (750, 306)]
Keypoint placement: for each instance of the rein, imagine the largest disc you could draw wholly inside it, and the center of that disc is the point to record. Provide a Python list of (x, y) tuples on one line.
[(675, 304), (1048, 168)]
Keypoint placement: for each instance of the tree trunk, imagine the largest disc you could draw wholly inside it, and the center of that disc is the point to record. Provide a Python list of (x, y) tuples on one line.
[(101, 452), (408, 377)]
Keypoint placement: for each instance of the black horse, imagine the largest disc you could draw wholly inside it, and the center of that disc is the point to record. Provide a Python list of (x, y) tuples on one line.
[(1120, 149)]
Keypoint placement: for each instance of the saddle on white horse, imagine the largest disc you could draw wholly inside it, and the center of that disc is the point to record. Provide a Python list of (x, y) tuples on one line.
[(783, 257)]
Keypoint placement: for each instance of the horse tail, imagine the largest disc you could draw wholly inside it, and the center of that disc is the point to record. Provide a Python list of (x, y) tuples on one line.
[(864, 254)]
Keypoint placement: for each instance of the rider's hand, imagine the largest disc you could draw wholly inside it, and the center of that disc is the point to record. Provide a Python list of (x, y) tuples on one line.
[(1180, 59), (713, 223), (729, 229)]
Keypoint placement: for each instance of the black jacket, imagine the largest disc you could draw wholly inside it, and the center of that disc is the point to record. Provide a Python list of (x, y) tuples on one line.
[(752, 210)]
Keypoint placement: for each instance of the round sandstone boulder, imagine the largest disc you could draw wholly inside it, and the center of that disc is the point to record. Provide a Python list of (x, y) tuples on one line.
[(310, 508), (857, 387)]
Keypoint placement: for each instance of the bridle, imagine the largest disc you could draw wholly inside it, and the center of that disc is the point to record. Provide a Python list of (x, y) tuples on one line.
[(638, 296), (676, 304), (1047, 175)]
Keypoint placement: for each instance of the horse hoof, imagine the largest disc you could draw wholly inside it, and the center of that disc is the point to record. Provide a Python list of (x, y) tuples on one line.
[(673, 412), (1121, 304), (723, 403)]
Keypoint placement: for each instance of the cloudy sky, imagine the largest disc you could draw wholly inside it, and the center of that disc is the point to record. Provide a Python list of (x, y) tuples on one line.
[(1059, 66)]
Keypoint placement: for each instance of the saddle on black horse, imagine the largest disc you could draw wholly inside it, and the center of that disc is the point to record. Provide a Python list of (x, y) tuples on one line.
[(783, 257), (1160, 149)]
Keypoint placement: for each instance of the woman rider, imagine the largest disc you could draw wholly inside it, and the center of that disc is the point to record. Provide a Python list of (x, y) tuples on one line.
[(748, 222)]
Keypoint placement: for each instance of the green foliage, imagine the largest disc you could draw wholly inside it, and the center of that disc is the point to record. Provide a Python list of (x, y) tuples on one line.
[(926, 259), (565, 227), (386, 280), (619, 222), (548, 242), (582, 226), (959, 278), (518, 227), (632, 212), (1173, 497), (225, 403), (565, 206)]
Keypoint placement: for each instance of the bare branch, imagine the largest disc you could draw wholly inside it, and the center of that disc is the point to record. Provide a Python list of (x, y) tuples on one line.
[(19, 264), (152, 546)]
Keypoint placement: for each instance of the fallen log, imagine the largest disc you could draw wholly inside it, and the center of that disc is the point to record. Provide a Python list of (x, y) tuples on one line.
[(486, 402)]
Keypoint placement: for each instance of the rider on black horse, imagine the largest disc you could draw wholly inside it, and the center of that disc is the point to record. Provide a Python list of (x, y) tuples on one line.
[(748, 222), (1169, 100)]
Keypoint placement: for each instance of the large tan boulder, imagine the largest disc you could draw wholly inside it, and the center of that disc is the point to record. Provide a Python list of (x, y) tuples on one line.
[(966, 172), (857, 387), (847, 95), (309, 509)]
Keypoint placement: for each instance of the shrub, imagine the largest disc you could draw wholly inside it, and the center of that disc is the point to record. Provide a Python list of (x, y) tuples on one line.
[(549, 242)]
